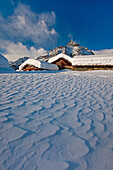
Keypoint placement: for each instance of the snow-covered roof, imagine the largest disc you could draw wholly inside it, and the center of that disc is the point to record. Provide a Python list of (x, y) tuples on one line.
[(61, 55), (85, 59), (39, 64), (93, 60)]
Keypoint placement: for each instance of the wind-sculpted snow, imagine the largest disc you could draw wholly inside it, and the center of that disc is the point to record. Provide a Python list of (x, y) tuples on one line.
[(56, 120)]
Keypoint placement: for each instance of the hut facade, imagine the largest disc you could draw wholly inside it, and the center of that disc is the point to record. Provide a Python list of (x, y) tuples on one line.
[(62, 61)]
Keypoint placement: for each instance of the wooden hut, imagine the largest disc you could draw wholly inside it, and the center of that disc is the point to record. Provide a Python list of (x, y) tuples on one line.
[(62, 61), (35, 65)]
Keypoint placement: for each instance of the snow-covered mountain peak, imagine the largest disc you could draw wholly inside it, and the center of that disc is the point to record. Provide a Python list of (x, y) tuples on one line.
[(72, 49), (72, 43)]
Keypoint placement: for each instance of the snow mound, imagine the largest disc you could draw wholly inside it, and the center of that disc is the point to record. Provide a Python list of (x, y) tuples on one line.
[(39, 64), (3, 62), (4, 65)]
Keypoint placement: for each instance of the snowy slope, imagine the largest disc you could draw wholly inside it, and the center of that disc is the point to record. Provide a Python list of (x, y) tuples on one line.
[(4, 65), (56, 120), (104, 52), (3, 62)]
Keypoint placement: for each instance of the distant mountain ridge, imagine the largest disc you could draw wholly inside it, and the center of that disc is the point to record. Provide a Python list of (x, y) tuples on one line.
[(72, 49), (15, 65)]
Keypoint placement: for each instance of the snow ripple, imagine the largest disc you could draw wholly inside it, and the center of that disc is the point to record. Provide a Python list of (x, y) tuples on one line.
[(56, 120)]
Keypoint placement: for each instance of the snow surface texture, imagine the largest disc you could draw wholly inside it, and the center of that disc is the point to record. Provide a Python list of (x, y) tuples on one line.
[(39, 64), (4, 65), (56, 120), (93, 60), (85, 60)]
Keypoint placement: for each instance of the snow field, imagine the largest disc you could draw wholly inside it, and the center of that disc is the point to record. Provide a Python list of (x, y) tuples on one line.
[(56, 120)]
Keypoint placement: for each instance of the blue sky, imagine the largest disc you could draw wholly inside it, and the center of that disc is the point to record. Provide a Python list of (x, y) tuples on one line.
[(47, 24)]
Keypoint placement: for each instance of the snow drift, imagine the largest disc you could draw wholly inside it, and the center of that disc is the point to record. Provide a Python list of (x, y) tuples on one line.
[(4, 65)]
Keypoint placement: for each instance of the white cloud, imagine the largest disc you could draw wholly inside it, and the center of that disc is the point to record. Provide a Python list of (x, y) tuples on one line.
[(12, 2), (25, 25), (16, 51), (70, 36)]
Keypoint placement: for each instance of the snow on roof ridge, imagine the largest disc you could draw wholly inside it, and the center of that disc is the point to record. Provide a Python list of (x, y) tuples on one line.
[(61, 55)]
